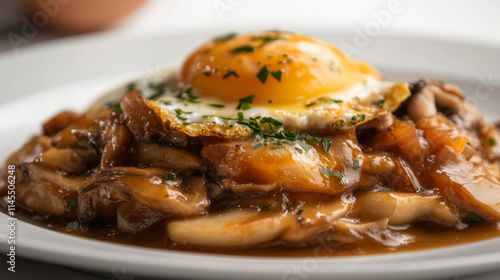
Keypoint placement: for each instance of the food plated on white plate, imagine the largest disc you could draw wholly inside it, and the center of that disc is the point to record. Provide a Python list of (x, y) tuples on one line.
[(267, 144)]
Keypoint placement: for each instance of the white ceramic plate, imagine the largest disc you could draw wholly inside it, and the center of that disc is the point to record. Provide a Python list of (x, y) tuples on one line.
[(40, 81)]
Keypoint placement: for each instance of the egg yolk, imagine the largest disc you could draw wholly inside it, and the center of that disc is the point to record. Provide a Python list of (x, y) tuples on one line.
[(276, 67)]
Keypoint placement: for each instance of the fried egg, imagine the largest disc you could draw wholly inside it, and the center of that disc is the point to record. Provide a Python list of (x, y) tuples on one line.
[(236, 85)]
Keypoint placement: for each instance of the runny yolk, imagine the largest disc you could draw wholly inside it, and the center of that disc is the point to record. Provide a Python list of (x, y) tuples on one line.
[(276, 67)]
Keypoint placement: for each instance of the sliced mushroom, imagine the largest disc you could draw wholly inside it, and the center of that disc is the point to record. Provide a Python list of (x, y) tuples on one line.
[(404, 208), (249, 227)]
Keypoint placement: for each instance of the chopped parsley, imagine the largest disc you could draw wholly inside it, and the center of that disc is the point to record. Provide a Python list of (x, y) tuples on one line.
[(225, 38), (473, 217), (271, 121), (492, 141), (298, 150), (327, 143), (115, 107), (244, 103), (325, 100), (257, 146), (170, 176), (264, 207), (179, 113), (241, 117), (355, 164), (157, 94), (207, 73), (300, 211), (230, 72), (71, 202), (244, 48), (353, 118), (362, 117), (132, 86), (264, 73), (330, 173), (277, 75), (188, 96), (72, 226), (381, 103)]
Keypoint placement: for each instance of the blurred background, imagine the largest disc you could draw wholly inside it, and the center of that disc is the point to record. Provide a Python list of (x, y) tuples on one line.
[(28, 25), (36, 21)]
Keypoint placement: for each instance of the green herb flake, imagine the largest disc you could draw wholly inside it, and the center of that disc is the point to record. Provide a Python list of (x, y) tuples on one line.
[(327, 143), (473, 217), (289, 208), (492, 141), (277, 75), (263, 73), (244, 48), (353, 118), (170, 176), (207, 73), (157, 94), (240, 116), (264, 207), (328, 172), (300, 211), (72, 226), (362, 117), (217, 105), (132, 86), (244, 103), (381, 103), (271, 120), (225, 38), (115, 107), (299, 150), (355, 164), (230, 72), (257, 146), (71, 202)]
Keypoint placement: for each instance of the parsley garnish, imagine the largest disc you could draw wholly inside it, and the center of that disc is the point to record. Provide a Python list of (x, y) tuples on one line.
[(257, 146), (381, 103), (298, 150), (353, 118), (157, 94), (132, 86), (244, 103), (474, 218), (328, 172), (355, 164), (72, 226), (327, 142), (277, 75), (331, 66), (207, 73), (240, 116), (264, 72), (264, 207), (71, 202), (115, 107), (362, 117), (224, 38), (324, 99), (244, 48), (300, 211), (170, 176), (229, 73), (492, 141), (271, 121)]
